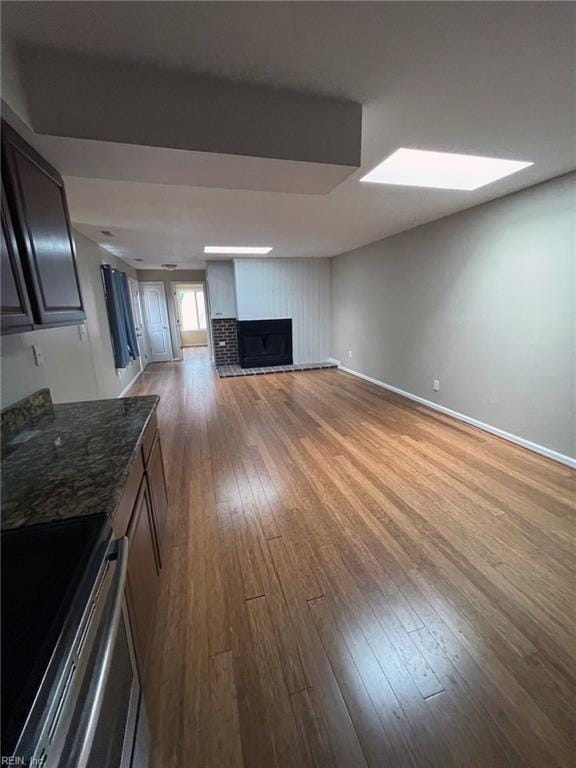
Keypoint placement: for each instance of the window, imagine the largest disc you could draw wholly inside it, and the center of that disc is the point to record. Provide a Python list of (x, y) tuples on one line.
[(192, 309)]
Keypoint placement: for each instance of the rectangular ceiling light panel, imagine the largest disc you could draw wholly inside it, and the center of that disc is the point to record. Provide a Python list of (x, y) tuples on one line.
[(442, 170), (237, 249)]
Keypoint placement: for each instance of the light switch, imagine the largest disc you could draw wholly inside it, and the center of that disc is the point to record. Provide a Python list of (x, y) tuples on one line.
[(38, 356)]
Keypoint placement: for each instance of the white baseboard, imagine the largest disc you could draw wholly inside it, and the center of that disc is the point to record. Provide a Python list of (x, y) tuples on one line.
[(550, 454), (126, 388)]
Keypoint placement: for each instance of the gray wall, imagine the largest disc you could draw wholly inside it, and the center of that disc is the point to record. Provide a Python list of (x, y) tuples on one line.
[(171, 276), (221, 288), (484, 301), (75, 368), (161, 107)]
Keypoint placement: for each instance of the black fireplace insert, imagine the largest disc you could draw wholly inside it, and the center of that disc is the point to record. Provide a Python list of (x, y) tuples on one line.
[(264, 342)]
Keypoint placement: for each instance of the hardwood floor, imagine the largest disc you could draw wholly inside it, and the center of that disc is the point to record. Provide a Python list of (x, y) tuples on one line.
[(355, 580)]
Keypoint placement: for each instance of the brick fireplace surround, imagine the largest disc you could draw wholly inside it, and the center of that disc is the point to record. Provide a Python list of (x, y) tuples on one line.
[(224, 329)]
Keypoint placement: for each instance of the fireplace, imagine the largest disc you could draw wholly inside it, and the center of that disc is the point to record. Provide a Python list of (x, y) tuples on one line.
[(264, 342)]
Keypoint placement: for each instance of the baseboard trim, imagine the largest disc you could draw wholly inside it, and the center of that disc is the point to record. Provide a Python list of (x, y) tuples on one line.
[(542, 450), (131, 384)]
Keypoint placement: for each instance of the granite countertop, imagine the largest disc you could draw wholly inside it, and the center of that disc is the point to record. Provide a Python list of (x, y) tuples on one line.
[(70, 460)]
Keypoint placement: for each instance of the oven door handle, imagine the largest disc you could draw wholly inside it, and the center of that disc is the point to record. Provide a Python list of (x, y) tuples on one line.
[(102, 661)]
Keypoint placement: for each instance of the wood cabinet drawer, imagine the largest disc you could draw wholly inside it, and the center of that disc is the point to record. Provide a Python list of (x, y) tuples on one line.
[(123, 513), (148, 439)]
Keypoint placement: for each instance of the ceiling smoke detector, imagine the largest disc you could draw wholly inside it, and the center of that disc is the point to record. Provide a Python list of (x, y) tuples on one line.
[(169, 266)]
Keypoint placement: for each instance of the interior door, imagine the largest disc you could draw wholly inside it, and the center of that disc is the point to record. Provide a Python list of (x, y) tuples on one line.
[(156, 322), (139, 323)]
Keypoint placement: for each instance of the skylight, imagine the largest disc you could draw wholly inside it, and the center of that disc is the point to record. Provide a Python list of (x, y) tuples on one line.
[(442, 170), (237, 249)]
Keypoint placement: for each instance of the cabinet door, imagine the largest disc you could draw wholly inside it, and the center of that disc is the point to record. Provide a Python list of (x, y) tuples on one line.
[(142, 574), (157, 486), (42, 225), (14, 306)]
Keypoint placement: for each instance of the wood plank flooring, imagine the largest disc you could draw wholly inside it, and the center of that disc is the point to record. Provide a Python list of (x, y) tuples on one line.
[(355, 580)]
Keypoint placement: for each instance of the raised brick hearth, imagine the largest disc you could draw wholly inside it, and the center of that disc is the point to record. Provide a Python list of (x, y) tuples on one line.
[(232, 371)]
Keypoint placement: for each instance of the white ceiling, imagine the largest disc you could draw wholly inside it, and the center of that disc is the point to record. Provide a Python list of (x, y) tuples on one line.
[(494, 79)]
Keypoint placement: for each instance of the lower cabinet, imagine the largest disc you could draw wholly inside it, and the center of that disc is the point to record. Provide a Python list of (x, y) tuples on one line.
[(141, 515), (157, 487), (143, 573)]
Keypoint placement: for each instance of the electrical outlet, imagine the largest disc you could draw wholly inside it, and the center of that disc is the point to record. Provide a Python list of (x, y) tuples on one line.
[(436, 385), (221, 343), (349, 354), (38, 356)]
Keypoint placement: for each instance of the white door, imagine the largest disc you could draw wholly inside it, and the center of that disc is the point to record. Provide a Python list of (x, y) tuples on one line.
[(156, 322), (139, 323)]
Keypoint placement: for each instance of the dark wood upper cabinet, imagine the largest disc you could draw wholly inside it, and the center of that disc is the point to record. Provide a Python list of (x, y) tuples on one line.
[(37, 201), (15, 310)]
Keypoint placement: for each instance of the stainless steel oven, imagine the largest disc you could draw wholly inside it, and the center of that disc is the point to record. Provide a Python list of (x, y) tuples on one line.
[(93, 716)]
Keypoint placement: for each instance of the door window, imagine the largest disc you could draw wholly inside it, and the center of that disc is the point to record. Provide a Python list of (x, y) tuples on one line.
[(192, 309)]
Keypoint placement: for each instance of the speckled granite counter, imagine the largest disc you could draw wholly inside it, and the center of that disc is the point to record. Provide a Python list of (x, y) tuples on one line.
[(71, 460)]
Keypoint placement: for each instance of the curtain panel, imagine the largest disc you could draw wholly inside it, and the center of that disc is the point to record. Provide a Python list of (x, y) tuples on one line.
[(120, 319)]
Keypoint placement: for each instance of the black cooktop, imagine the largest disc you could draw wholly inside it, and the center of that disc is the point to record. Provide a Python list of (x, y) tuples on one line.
[(45, 570)]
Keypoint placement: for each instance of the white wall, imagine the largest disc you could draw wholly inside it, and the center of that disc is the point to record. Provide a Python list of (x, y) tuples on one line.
[(68, 370), (484, 301), (75, 368), (296, 288), (221, 288)]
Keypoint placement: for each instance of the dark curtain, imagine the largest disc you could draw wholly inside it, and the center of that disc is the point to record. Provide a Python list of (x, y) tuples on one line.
[(129, 318), (122, 331)]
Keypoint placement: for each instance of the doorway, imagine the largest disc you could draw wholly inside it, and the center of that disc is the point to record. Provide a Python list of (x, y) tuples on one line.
[(156, 321), (137, 315), (191, 314)]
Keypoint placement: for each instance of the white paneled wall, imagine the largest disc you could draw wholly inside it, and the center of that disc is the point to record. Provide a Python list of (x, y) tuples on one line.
[(297, 288), (221, 292)]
